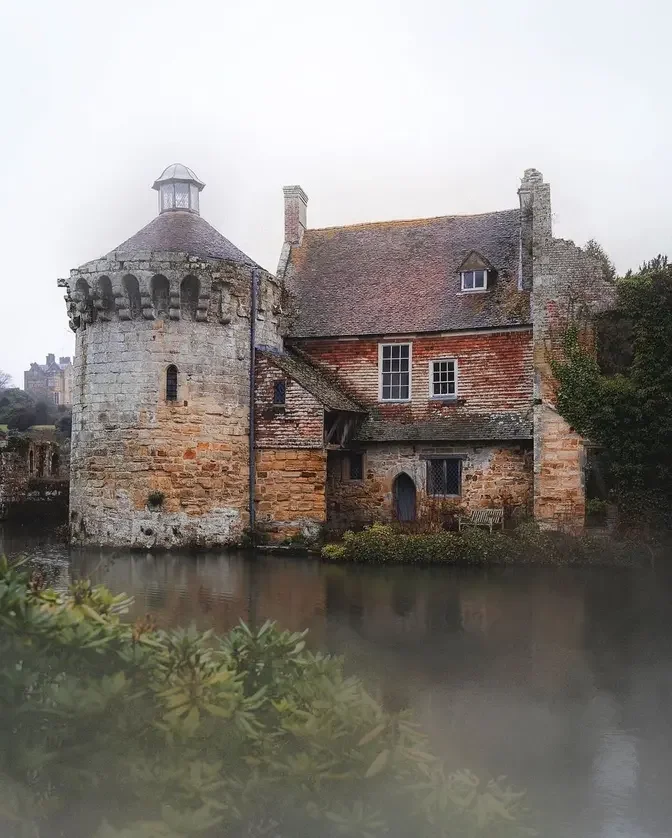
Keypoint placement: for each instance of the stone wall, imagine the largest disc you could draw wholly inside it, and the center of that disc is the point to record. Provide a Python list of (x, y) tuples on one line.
[(493, 475), (569, 287), (34, 475), (290, 491), (129, 441)]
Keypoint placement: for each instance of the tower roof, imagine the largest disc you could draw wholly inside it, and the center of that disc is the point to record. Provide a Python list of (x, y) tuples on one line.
[(180, 232), (178, 172)]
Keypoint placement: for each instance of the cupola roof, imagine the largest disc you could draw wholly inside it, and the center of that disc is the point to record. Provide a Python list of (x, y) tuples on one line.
[(179, 228), (179, 172)]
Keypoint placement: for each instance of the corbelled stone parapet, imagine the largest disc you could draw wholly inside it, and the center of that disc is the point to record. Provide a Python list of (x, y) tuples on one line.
[(167, 286)]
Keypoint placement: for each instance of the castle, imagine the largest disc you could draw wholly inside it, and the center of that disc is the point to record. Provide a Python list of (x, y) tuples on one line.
[(386, 368), (51, 380)]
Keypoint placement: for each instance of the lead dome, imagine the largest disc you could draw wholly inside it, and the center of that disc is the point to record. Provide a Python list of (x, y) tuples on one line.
[(179, 189)]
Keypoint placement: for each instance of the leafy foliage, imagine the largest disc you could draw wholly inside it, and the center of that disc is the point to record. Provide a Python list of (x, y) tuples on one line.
[(116, 730), (627, 407), (155, 498), (382, 544), (594, 248), (19, 410)]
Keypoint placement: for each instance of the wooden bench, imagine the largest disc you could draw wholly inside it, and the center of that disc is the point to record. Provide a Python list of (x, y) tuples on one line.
[(482, 518)]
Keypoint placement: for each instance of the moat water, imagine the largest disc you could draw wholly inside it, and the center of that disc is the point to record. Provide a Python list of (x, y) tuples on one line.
[(560, 678)]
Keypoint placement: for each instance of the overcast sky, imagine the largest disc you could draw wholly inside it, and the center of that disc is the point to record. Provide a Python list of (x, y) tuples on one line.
[(378, 109)]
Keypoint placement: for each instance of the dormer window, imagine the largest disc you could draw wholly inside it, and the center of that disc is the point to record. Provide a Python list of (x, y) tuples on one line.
[(474, 280), (476, 273)]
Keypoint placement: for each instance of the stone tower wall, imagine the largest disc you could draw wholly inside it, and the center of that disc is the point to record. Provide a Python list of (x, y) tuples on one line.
[(129, 441), (568, 287)]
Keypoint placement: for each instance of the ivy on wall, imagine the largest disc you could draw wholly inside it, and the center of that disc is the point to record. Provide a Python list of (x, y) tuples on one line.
[(621, 397)]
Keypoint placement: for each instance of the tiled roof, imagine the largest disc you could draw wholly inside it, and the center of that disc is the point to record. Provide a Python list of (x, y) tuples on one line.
[(482, 427), (402, 276), (326, 391), (180, 232)]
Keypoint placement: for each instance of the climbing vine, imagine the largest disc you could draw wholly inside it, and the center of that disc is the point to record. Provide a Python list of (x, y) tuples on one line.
[(620, 398)]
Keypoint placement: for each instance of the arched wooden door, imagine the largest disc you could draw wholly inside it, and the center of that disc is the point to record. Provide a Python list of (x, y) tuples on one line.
[(404, 498)]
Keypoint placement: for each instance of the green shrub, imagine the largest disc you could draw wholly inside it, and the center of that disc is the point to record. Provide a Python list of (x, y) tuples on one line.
[(383, 544), (115, 730), (155, 499), (597, 509)]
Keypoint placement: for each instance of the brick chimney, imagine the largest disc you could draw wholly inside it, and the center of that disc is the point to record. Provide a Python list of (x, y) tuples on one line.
[(296, 204)]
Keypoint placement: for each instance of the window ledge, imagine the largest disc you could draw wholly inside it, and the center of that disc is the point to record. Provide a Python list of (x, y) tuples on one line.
[(394, 401), (447, 401)]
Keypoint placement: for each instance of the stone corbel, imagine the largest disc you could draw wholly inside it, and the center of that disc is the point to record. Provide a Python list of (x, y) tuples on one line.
[(174, 305), (202, 307), (102, 312), (147, 307), (123, 310)]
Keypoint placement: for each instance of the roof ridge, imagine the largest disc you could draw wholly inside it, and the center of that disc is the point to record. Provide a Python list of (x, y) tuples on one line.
[(398, 221)]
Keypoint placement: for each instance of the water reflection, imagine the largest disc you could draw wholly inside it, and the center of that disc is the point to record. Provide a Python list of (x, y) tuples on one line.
[(558, 677)]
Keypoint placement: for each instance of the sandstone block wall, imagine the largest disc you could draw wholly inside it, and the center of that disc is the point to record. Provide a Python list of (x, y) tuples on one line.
[(493, 475), (569, 287), (128, 440), (291, 491)]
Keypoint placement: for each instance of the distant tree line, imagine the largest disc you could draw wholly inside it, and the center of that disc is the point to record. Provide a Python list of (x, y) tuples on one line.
[(20, 410)]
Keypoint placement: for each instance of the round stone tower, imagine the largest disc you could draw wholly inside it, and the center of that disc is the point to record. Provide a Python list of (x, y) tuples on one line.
[(161, 392)]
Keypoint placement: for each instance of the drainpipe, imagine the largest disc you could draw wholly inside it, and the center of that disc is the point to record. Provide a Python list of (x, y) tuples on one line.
[(253, 339)]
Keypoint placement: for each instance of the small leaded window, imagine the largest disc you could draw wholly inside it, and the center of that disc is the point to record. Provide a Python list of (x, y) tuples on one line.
[(171, 383), (279, 391), (444, 476), (443, 379), (475, 280), (356, 466), (395, 372)]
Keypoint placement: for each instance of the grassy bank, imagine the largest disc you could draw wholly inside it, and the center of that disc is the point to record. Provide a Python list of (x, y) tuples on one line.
[(383, 544)]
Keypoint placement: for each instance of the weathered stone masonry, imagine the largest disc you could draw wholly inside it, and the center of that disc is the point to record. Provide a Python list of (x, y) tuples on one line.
[(161, 394), (135, 314), (569, 287), (494, 475)]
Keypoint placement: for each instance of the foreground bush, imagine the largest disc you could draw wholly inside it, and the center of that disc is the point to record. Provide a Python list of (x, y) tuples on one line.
[(113, 730), (382, 544)]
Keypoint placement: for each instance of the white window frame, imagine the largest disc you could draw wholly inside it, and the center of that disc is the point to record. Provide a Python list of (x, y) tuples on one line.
[(475, 290), (442, 397), (381, 347)]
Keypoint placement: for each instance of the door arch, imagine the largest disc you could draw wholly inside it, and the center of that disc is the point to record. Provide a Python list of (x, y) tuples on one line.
[(404, 497)]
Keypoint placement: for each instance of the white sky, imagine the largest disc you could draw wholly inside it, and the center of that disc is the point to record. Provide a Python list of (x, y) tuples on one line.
[(378, 109)]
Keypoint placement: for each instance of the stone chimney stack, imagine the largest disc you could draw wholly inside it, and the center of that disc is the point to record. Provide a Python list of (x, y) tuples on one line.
[(51, 359), (296, 205), (536, 228)]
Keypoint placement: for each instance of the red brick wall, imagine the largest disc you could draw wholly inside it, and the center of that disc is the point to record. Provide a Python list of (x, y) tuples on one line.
[(494, 370), (299, 424)]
